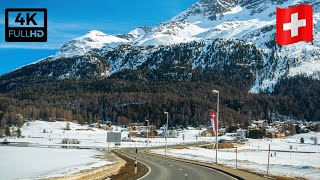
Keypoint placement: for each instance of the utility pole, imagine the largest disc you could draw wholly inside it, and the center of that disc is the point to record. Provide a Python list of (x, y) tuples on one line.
[(217, 92), (147, 135), (236, 157), (165, 152), (268, 161)]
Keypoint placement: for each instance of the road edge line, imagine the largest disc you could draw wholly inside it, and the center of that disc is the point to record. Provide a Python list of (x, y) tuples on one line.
[(149, 169), (198, 164)]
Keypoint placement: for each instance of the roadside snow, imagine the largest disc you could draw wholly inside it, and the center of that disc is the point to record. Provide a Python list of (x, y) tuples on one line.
[(289, 157), (93, 137), (31, 163)]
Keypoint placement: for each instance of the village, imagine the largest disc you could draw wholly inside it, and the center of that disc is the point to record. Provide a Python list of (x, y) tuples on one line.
[(257, 129), (290, 141)]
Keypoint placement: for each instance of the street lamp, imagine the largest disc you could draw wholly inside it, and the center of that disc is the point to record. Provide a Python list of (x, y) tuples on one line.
[(165, 152), (147, 134), (217, 92)]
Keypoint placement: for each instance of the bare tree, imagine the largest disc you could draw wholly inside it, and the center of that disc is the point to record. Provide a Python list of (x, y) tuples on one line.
[(67, 126), (315, 140)]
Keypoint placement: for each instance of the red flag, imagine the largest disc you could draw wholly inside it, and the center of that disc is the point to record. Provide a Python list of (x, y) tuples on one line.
[(214, 122), (294, 24)]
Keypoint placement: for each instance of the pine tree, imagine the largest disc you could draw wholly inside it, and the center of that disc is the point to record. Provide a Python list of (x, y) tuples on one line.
[(301, 140), (7, 132), (18, 133)]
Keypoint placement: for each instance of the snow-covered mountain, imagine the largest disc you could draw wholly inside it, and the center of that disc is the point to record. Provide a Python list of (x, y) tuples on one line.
[(246, 23), (252, 21), (92, 40)]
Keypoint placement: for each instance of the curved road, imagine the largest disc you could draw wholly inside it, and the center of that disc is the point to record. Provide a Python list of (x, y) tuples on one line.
[(166, 169)]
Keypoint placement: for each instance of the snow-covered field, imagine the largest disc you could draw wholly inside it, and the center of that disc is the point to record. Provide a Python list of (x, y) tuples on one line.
[(38, 160), (32, 163), (33, 133), (303, 160)]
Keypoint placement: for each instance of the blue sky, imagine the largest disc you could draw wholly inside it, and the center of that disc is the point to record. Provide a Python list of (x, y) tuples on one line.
[(68, 19)]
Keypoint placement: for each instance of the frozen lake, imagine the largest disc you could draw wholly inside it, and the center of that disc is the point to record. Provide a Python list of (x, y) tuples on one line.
[(31, 162)]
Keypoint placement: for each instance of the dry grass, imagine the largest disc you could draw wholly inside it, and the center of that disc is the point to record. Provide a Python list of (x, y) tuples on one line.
[(127, 172), (221, 146)]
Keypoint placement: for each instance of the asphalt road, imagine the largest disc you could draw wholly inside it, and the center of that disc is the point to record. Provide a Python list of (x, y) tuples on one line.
[(165, 169)]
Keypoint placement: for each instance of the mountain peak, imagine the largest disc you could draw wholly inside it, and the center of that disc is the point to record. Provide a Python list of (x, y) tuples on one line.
[(139, 32), (97, 39), (207, 8), (95, 33), (94, 39)]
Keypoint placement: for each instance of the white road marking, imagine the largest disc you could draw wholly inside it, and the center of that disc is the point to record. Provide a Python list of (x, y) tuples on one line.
[(180, 169)]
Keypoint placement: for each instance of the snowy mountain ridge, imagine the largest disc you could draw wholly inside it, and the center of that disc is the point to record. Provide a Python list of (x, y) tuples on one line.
[(250, 21), (92, 40)]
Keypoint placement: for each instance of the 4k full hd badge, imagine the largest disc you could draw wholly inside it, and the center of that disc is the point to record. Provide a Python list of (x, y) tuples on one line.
[(26, 25)]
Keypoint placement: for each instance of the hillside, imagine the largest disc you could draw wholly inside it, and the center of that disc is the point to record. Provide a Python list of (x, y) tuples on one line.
[(222, 44)]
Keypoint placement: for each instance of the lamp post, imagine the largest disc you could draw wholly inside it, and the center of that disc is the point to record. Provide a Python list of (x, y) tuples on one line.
[(165, 152), (147, 134), (217, 92)]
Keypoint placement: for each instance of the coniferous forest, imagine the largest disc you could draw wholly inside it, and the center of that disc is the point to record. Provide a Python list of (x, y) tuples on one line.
[(130, 99)]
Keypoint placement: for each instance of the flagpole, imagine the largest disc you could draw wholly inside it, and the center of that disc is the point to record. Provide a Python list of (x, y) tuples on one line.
[(217, 129)]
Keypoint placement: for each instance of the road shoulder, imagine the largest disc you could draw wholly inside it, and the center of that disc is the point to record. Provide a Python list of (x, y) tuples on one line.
[(238, 174)]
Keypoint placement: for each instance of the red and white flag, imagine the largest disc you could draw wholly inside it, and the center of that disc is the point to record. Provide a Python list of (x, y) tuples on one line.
[(294, 24), (214, 122)]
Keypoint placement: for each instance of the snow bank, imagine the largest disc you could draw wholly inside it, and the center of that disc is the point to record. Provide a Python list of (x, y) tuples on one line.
[(289, 157)]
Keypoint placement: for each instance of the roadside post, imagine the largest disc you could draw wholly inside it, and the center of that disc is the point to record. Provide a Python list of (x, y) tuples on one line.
[(197, 140), (136, 163), (183, 138)]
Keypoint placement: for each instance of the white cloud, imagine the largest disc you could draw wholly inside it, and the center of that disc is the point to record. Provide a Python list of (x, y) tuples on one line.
[(60, 33), (27, 46), (56, 38)]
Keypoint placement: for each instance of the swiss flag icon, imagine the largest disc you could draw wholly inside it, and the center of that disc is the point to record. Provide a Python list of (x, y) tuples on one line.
[(294, 24)]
